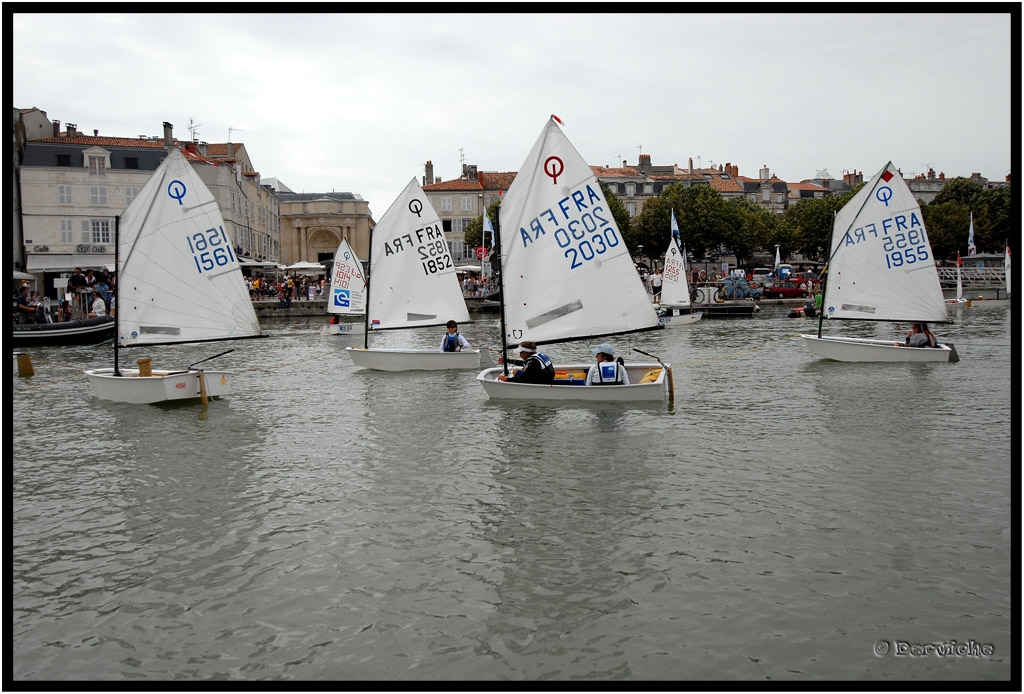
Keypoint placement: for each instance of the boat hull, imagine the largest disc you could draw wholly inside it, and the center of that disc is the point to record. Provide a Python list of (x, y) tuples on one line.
[(413, 359), (657, 390), (679, 319), (76, 332), (343, 329), (161, 386), (854, 349)]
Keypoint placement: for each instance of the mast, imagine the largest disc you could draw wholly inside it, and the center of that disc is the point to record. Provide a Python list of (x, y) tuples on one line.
[(501, 284), (117, 290), (366, 313), (824, 282)]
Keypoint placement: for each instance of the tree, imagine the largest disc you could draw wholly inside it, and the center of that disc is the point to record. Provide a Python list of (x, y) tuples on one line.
[(618, 210), (807, 227), (474, 230)]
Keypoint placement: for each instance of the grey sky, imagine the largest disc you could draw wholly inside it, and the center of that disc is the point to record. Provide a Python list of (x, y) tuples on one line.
[(359, 102)]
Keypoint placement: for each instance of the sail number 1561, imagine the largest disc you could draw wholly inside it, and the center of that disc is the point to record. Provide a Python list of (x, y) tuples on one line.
[(905, 248), (210, 249)]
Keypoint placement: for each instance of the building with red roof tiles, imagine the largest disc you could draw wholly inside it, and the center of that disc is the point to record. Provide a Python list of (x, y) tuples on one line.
[(459, 201), (70, 186)]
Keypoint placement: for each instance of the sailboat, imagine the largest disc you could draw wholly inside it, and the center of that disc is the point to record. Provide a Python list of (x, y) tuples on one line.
[(1006, 267), (411, 284), (959, 281), (566, 275), (348, 292), (881, 268), (675, 308), (178, 281)]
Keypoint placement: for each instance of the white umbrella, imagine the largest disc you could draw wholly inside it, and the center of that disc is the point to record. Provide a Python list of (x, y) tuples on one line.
[(19, 275), (305, 266)]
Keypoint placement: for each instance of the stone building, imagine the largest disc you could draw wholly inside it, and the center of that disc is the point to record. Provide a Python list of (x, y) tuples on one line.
[(313, 224)]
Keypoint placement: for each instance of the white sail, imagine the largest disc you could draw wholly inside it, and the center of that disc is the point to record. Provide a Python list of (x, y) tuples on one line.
[(348, 284), (959, 278), (179, 279), (881, 265), (412, 276), (1006, 266), (675, 290), (566, 271)]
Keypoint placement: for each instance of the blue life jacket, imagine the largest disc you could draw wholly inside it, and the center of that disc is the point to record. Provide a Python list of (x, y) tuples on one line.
[(451, 343), (609, 372)]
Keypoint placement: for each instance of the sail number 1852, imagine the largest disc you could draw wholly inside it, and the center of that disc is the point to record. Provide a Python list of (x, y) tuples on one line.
[(905, 248), (210, 249), (434, 256)]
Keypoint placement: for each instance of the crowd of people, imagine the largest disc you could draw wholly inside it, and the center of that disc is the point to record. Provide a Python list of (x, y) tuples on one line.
[(474, 287), (89, 294)]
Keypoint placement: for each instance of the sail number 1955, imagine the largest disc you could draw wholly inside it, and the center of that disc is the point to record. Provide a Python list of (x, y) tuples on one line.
[(210, 249), (905, 248)]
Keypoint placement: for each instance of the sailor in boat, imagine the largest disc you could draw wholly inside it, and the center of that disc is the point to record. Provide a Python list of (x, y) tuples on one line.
[(920, 336), (537, 367), (607, 371), (453, 341)]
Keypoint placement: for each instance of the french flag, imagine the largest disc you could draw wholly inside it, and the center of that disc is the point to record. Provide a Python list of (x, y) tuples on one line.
[(374, 323)]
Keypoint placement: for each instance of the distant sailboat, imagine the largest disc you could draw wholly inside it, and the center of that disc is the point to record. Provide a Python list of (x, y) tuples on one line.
[(347, 294), (675, 307), (959, 283)]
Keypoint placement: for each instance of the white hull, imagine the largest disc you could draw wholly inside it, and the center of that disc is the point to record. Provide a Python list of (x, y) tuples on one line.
[(656, 390), (162, 386), (344, 329), (865, 350), (680, 319), (413, 359), (980, 303)]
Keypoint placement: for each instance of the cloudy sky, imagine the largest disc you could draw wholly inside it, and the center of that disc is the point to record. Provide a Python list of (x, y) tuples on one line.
[(359, 102)]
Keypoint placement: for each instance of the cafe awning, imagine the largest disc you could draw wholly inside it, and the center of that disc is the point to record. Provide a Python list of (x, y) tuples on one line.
[(66, 262)]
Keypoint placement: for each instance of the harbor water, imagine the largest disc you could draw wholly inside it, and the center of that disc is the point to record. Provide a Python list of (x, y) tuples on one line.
[(784, 518)]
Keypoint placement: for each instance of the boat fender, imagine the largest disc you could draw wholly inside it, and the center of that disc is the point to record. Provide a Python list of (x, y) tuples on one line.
[(651, 376)]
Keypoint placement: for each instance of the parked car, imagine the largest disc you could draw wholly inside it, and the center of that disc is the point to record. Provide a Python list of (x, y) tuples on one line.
[(756, 278), (785, 290)]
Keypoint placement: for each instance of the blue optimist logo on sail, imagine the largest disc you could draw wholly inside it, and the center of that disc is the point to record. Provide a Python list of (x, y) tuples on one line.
[(342, 297)]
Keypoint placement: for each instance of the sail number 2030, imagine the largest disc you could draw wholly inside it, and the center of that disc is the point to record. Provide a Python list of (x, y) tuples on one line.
[(210, 249), (587, 237), (905, 248)]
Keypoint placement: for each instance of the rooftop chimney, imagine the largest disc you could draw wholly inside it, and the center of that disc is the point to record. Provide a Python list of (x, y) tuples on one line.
[(428, 176), (168, 136), (95, 133), (645, 164), (691, 164), (231, 150), (56, 128)]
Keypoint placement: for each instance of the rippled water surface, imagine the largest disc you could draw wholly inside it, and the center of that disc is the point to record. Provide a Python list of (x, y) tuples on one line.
[(784, 519)]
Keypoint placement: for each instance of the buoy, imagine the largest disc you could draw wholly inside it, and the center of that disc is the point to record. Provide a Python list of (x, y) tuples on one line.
[(25, 365), (145, 366)]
